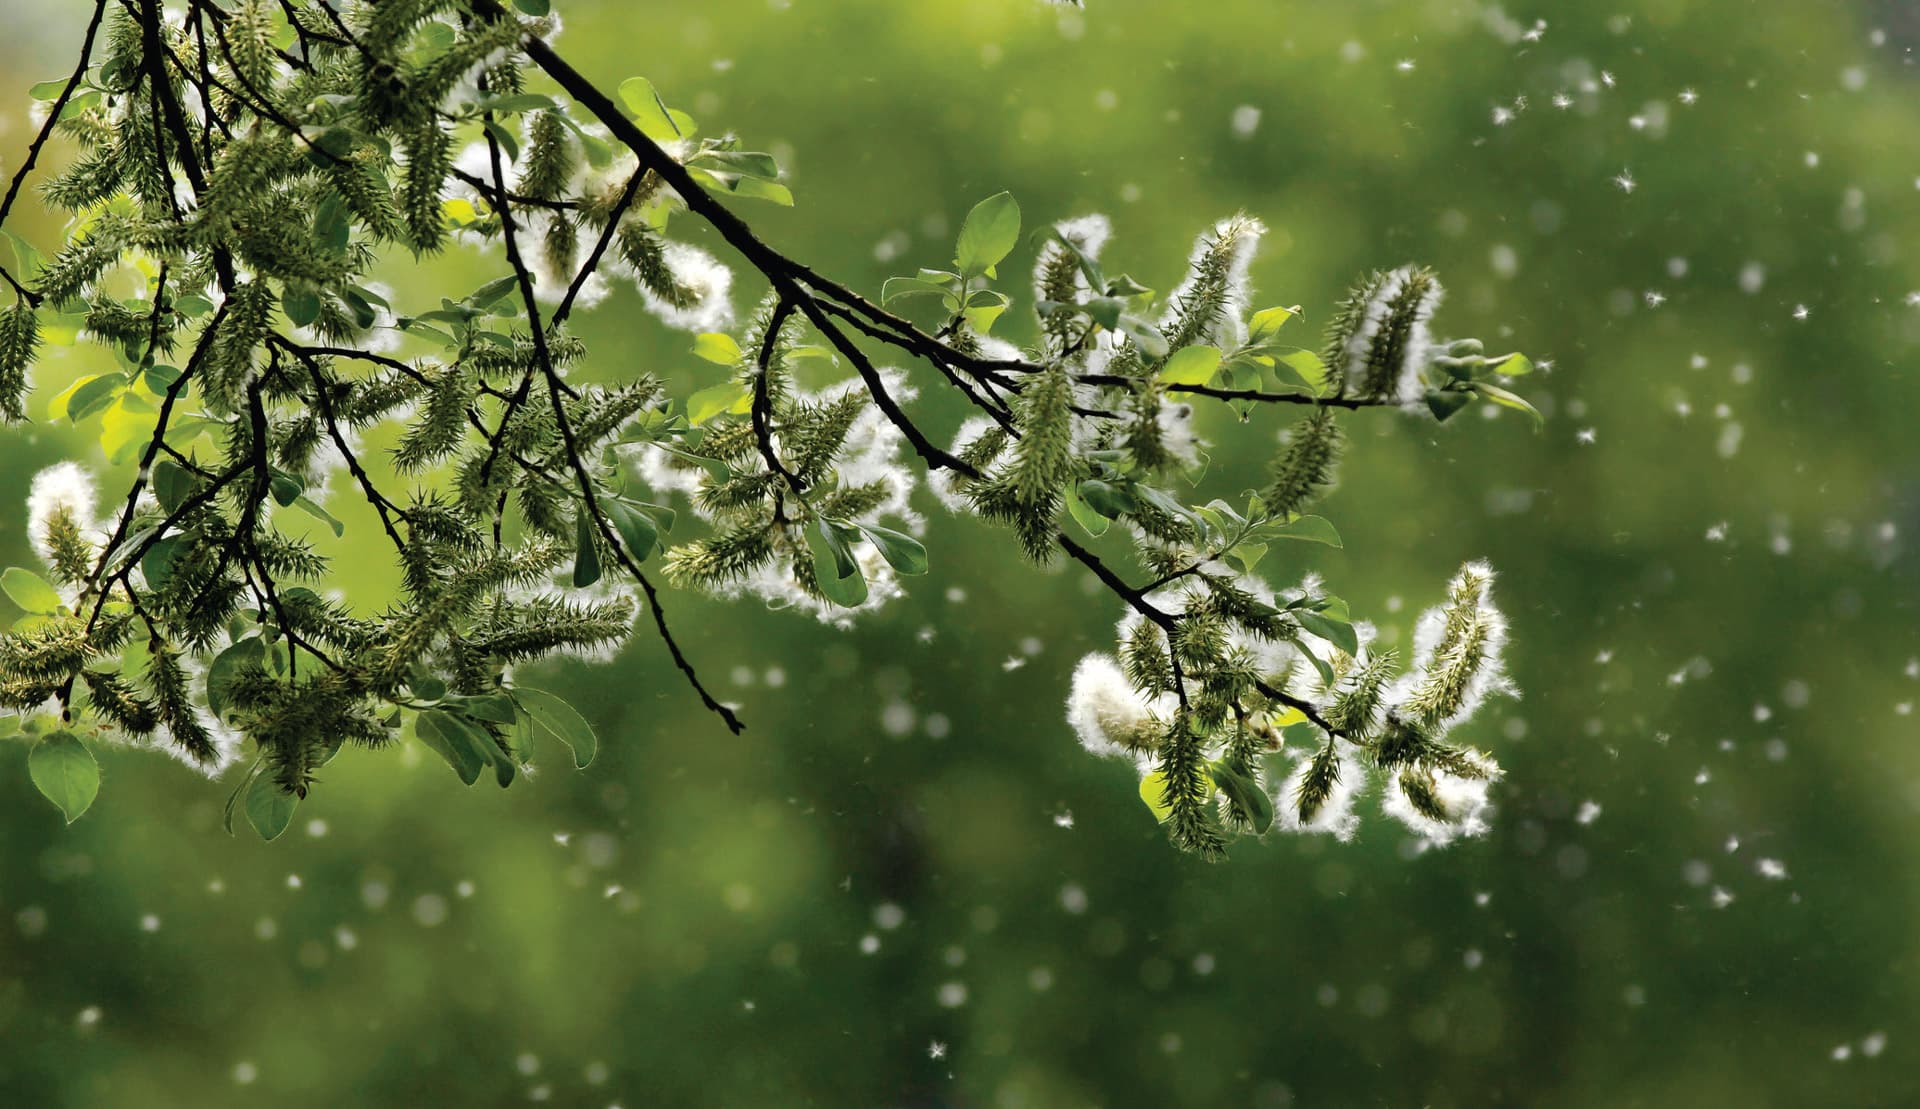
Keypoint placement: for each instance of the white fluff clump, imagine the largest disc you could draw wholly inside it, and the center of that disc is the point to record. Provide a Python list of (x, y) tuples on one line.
[(1487, 675), (552, 277), (774, 583), (1176, 432), (227, 743), (708, 280), (1409, 386), (1273, 659), (1226, 326), (1464, 800), (1110, 717), (869, 454), (64, 489), (1089, 233), (1337, 816), (667, 473)]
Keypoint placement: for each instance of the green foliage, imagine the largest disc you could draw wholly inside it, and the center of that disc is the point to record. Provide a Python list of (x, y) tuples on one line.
[(518, 504), (65, 773)]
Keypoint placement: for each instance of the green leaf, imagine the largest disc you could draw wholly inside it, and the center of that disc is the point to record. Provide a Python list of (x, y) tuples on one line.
[(308, 506), (1335, 631), (302, 306), (1245, 795), (48, 91), (1153, 790), (285, 487), (518, 102), (559, 720), (486, 296), (637, 530), (984, 306), (1145, 335), (240, 791), (1505, 399), (269, 808), (426, 685), (533, 7), (834, 568), (482, 744), (225, 669), (172, 484), (715, 400), (29, 590), (1307, 366), (1191, 366), (746, 163), (1515, 365), (442, 732), (718, 348), (903, 552), (159, 377), (65, 773), (899, 288), (598, 151), (1443, 403), (1248, 554), (363, 313), (651, 114), (509, 143), (1083, 514), (1107, 499), (93, 395), (755, 188), (1319, 664), (26, 258), (126, 429), (157, 563), (1312, 529), (990, 232), (586, 557), (495, 708), (332, 224), (1267, 322)]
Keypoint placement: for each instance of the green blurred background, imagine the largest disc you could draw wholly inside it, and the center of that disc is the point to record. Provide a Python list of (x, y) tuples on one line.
[(1701, 884)]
